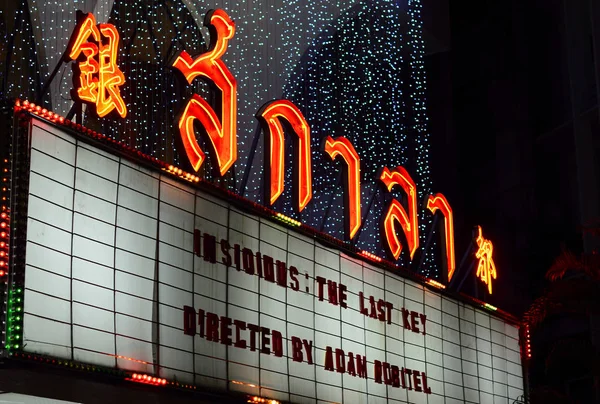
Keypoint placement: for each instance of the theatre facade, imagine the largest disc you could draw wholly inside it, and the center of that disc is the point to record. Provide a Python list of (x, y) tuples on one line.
[(141, 269)]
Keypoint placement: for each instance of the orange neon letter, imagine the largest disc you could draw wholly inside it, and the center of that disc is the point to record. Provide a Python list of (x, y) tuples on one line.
[(439, 202), (342, 147), (270, 116), (486, 269), (397, 213), (209, 66), (110, 77), (97, 81), (87, 68)]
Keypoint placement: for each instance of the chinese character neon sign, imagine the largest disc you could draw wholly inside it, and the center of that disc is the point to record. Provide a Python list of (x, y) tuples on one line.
[(486, 269), (96, 76)]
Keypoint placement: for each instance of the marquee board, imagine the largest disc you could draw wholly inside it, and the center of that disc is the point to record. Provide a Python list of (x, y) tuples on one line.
[(127, 267)]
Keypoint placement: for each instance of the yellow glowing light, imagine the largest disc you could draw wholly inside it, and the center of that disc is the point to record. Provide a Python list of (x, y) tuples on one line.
[(486, 269), (436, 284), (99, 75)]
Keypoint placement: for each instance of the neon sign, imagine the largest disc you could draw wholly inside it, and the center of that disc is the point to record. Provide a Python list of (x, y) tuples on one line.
[(397, 214), (270, 116), (486, 269), (97, 77), (209, 66), (98, 81), (438, 202), (343, 148)]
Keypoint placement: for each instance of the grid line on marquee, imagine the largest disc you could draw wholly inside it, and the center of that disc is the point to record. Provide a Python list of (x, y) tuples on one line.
[(118, 182), (50, 319), (85, 145), (258, 303), (462, 371), (349, 308), (114, 312), (43, 155), (43, 201), (179, 349), (287, 333), (50, 182), (443, 382), (169, 326), (48, 248), (314, 296), (81, 163), (194, 305), (48, 224), (41, 125), (35, 291)]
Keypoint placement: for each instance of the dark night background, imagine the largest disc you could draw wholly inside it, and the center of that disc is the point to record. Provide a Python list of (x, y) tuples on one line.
[(513, 90), (513, 101)]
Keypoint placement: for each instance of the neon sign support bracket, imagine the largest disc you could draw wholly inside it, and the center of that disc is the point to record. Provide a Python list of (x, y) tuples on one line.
[(466, 272), (46, 85)]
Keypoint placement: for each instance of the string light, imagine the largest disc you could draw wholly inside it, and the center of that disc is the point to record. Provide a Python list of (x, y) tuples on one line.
[(422, 175), (257, 399), (12, 335), (527, 348), (14, 322), (371, 256), (287, 220), (147, 379), (436, 284), (362, 77), (21, 74), (74, 365), (354, 70)]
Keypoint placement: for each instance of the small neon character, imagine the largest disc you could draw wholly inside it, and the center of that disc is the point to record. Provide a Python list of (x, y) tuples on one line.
[(486, 269), (97, 77)]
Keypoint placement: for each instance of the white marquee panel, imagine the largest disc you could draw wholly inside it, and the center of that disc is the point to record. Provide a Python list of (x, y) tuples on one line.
[(111, 265)]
